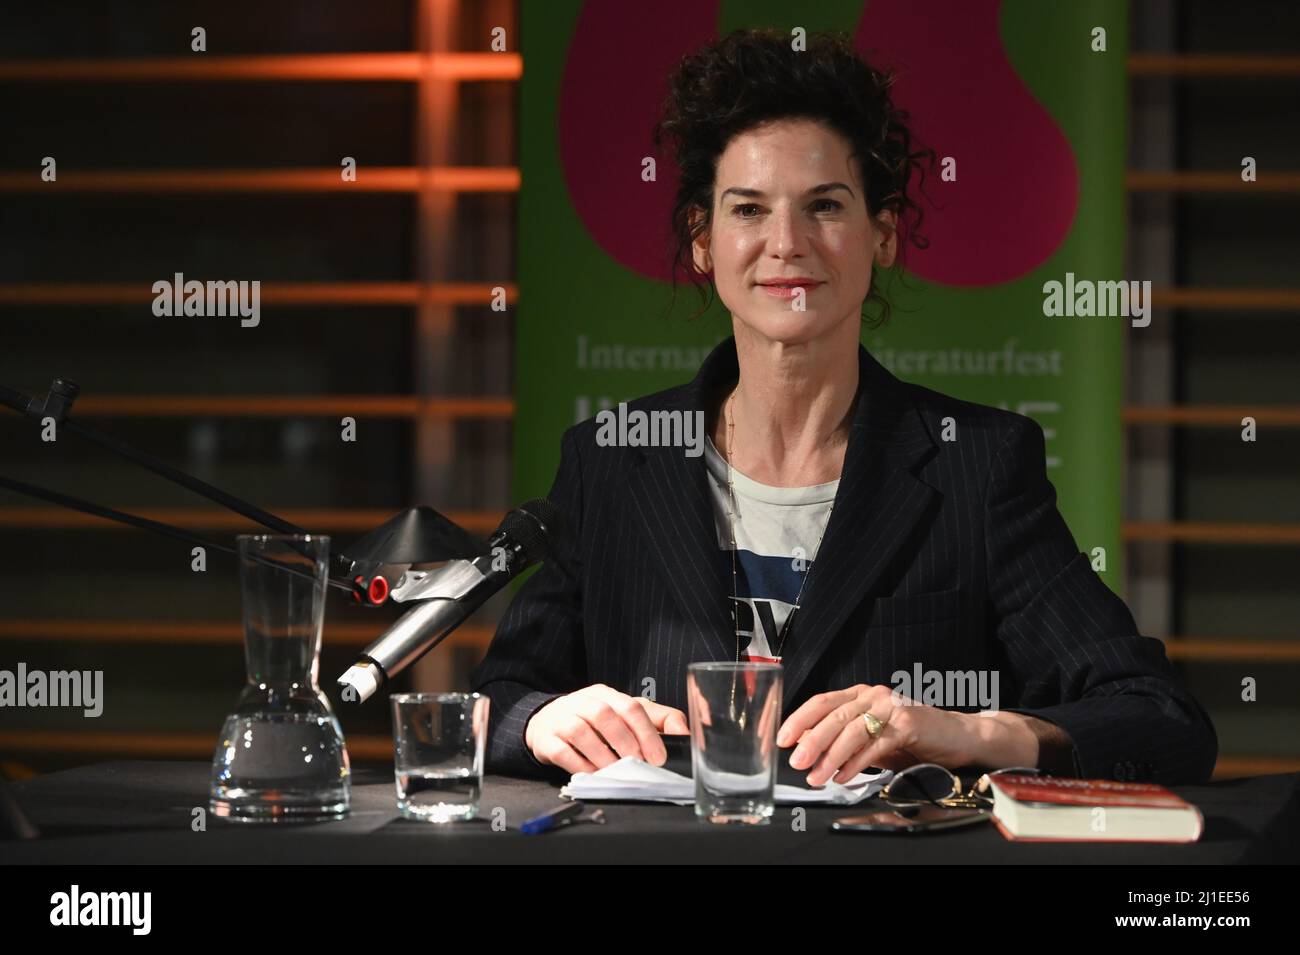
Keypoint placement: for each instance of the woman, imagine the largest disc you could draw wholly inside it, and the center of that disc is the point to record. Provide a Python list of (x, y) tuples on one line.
[(831, 524)]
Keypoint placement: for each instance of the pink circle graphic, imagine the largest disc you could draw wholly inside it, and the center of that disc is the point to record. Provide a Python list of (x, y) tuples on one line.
[(1017, 185)]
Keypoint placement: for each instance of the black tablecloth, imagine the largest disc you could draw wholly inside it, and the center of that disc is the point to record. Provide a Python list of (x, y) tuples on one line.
[(141, 812)]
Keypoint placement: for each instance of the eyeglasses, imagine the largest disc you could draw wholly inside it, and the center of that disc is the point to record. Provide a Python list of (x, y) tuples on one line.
[(932, 783)]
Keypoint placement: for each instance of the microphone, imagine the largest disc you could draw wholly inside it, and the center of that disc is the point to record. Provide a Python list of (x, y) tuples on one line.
[(450, 594)]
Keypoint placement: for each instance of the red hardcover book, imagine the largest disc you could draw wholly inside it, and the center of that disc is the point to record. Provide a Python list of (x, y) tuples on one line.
[(1051, 809)]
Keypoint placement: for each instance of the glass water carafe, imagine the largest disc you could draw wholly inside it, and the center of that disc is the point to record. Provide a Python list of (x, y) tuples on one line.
[(281, 754)]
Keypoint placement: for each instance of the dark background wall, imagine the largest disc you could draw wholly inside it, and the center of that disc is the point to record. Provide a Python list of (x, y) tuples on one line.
[(1247, 594)]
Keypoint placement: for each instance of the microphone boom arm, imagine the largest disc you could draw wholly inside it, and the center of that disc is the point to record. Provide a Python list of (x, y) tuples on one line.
[(58, 403)]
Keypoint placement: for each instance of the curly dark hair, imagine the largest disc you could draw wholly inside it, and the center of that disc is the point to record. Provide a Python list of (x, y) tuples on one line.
[(750, 77)]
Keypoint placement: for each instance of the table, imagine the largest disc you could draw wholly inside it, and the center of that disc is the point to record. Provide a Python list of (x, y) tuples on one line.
[(141, 812)]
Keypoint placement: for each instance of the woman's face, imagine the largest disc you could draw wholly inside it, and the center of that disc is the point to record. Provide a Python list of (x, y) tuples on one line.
[(789, 203)]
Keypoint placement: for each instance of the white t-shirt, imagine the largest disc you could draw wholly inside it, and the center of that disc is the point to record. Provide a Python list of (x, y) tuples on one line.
[(778, 530)]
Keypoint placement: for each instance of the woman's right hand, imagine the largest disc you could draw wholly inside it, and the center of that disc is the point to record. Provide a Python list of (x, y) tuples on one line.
[(588, 729)]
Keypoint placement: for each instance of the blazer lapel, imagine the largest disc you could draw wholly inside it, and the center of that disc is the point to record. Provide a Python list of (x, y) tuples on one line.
[(670, 497), (877, 506)]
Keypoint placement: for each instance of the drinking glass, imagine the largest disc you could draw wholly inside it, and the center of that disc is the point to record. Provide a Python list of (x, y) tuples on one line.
[(440, 741), (735, 710)]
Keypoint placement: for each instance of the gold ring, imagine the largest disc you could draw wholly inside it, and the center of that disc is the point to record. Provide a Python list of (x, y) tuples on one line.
[(874, 726)]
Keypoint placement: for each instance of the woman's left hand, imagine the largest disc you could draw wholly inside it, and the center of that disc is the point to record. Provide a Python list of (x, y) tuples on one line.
[(834, 743)]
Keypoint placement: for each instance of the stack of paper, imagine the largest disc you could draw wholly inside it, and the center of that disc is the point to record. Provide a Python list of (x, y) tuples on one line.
[(632, 778)]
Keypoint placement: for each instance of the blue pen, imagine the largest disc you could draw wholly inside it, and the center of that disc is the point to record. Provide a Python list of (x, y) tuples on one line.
[(556, 818)]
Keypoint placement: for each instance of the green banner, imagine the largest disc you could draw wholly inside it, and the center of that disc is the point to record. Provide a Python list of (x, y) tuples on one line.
[(1023, 102)]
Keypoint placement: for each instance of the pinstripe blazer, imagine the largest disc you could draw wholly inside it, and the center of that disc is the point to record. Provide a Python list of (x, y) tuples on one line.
[(951, 555)]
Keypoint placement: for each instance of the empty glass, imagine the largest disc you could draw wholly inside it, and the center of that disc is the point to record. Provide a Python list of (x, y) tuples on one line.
[(440, 740), (281, 754), (735, 710)]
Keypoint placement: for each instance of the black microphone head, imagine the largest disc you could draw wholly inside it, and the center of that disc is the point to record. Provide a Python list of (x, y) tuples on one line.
[(532, 525)]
